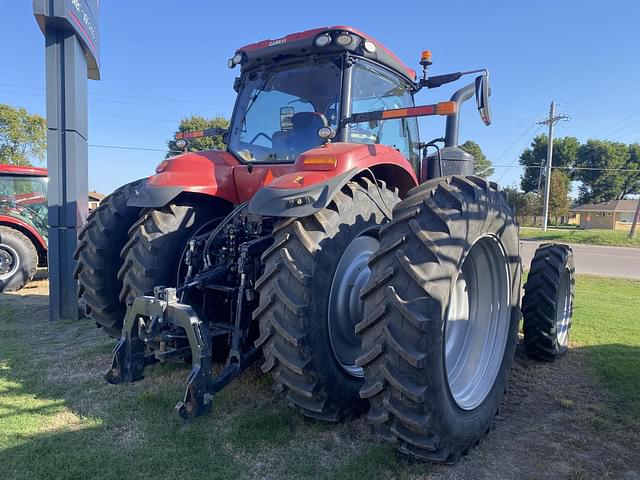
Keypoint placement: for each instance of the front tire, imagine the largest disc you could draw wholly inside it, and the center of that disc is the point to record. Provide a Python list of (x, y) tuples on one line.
[(547, 305), (309, 300), (441, 314), (18, 259)]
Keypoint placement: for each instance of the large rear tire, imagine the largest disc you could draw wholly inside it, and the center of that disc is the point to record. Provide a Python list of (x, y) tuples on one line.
[(309, 300), (441, 313), (98, 258), (18, 259), (547, 305), (156, 243)]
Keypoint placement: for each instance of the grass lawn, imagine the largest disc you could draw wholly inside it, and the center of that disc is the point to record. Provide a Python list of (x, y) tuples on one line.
[(614, 238), (60, 420), (607, 325)]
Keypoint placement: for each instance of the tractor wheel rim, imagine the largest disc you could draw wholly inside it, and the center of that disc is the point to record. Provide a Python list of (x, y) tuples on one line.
[(9, 261), (477, 323), (563, 312), (345, 306)]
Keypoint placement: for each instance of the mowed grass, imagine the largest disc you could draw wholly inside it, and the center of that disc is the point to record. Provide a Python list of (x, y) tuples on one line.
[(615, 238), (607, 325), (60, 420)]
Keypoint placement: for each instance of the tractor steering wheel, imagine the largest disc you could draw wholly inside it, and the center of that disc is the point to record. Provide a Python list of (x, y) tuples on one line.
[(258, 135)]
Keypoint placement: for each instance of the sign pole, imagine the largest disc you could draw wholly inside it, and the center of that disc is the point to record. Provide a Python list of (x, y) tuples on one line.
[(70, 29), (67, 153)]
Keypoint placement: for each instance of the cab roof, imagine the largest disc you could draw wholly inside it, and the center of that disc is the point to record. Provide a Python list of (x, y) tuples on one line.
[(18, 170), (302, 44)]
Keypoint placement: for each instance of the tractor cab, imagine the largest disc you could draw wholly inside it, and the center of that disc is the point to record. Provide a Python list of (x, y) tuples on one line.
[(295, 93), (336, 84)]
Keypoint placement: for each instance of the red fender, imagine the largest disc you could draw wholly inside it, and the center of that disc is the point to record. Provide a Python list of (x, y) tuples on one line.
[(25, 228), (332, 160)]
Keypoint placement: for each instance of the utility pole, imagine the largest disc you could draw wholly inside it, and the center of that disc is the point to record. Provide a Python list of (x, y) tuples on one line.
[(636, 219), (551, 121)]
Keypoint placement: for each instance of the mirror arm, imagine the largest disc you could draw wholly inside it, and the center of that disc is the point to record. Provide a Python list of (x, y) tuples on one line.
[(453, 121)]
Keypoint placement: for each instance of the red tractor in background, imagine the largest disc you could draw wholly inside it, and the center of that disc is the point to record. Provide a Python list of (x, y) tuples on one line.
[(367, 274), (23, 224)]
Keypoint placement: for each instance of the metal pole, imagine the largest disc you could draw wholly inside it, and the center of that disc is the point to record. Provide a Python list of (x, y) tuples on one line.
[(636, 219), (547, 180)]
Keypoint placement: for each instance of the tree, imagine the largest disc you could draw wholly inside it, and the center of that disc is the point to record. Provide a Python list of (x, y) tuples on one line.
[(565, 152), (525, 204), (483, 167), (197, 122), (558, 195), (608, 180), (23, 136)]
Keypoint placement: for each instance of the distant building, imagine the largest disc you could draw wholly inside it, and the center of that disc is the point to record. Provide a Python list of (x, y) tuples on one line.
[(94, 200), (613, 215)]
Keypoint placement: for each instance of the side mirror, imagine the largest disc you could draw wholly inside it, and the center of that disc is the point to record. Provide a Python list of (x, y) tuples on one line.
[(482, 98)]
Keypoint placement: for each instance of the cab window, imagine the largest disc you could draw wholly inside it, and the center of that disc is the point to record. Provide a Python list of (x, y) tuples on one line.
[(374, 89)]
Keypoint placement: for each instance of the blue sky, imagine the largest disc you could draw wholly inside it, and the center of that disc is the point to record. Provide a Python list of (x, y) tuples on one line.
[(162, 60)]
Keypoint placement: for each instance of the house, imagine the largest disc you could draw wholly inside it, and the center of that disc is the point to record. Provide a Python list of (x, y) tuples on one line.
[(613, 215), (94, 200)]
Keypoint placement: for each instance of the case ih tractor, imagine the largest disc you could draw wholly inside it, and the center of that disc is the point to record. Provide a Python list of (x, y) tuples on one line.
[(23, 224), (365, 273)]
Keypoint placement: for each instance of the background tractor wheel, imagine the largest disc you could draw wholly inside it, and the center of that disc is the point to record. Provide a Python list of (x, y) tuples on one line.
[(309, 300), (441, 314), (547, 306), (156, 243), (98, 258), (18, 259)]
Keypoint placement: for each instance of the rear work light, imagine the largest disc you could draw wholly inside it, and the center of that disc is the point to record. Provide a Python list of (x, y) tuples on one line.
[(344, 39), (322, 40)]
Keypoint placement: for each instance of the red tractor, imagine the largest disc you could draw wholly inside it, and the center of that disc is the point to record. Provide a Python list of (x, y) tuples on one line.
[(367, 274), (23, 224)]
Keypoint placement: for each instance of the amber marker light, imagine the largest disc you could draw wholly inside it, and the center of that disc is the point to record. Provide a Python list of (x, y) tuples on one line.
[(320, 162), (425, 58), (446, 108)]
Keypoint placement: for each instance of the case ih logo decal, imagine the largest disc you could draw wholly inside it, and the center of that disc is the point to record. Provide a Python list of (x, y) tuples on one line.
[(280, 41)]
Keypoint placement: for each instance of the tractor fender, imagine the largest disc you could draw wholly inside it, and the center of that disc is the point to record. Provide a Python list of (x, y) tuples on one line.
[(208, 173), (25, 228), (319, 174), (297, 202)]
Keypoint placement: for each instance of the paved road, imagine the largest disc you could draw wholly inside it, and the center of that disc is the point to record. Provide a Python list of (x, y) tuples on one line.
[(594, 259)]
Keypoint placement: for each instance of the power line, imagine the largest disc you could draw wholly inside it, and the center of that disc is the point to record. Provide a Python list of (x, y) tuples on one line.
[(532, 127), (117, 95), (127, 147), (572, 168)]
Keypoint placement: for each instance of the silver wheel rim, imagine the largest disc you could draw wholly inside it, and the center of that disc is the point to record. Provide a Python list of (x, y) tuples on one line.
[(563, 313), (9, 261), (345, 306), (477, 323)]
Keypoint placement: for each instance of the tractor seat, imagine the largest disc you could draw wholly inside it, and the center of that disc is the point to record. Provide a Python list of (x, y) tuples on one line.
[(304, 135)]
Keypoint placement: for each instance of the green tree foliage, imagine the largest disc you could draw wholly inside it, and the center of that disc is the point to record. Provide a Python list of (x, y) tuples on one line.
[(483, 167), (611, 182), (558, 195), (197, 122), (565, 152), (525, 204), (23, 136)]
